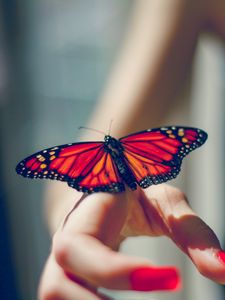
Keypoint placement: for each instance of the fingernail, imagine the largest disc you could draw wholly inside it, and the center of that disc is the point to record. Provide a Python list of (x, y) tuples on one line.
[(153, 279), (221, 256)]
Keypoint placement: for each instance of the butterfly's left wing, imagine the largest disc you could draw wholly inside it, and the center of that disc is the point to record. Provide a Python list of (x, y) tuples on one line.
[(155, 155), (84, 166)]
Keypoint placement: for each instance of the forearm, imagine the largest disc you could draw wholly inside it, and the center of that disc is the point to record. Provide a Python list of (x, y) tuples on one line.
[(150, 69)]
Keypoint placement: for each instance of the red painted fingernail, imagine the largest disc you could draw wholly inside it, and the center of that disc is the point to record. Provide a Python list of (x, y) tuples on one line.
[(153, 279), (221, 256)]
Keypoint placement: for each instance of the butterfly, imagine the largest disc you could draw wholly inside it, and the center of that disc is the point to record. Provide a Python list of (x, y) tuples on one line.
[(140, 159)]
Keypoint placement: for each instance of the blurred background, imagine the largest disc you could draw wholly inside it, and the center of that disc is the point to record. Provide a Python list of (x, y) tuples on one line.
[(53, 67)]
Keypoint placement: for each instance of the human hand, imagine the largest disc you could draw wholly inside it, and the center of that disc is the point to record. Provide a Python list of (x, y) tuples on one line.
[(84, 253)]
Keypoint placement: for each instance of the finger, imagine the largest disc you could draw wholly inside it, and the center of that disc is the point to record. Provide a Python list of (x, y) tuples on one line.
[(56, 285), (188, 231), (96, 214), (88, 259)]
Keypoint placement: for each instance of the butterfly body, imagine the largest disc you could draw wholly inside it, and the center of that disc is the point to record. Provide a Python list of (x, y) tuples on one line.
[(115, 149), (140, 159)]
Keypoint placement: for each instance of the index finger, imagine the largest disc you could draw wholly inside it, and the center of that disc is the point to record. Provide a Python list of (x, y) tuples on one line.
[(84, 248)]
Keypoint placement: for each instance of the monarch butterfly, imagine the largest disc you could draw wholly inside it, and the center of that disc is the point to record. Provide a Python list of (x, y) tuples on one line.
[(144, 158)]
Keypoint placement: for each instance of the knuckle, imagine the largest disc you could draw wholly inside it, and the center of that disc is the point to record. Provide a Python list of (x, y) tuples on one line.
[(61, 250), (174, 191), (50, 292), (174, 195), (203, 270)]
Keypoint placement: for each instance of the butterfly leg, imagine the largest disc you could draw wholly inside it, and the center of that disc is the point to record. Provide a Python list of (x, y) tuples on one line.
[(75, 206)]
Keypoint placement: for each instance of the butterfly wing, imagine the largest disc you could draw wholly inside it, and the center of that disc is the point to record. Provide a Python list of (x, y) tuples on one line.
[(155, 155), (84, 166)]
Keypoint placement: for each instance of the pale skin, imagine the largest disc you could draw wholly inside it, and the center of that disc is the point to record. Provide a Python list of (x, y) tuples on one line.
[(87, 245)]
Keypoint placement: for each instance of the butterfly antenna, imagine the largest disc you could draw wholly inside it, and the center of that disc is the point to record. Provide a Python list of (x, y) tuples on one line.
[(92, 129), (110, 126)]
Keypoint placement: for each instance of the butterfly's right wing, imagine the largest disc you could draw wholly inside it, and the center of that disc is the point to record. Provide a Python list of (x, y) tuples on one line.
[(84, 166), (155, 155)]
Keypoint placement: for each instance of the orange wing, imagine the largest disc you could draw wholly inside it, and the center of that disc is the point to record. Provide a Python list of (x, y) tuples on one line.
[(155, 156), (84, 166)]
